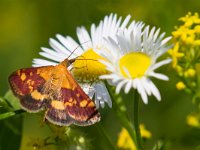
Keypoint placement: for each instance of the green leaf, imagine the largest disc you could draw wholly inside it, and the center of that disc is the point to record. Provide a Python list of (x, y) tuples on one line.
[(12, 100), (10, 114), (6, 115)]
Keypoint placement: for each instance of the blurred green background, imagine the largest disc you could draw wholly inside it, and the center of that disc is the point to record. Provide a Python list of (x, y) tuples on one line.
[(27, 25)]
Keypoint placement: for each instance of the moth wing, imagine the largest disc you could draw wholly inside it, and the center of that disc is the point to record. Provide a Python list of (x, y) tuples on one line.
[(27, 84), (81, 108), (72, 106)]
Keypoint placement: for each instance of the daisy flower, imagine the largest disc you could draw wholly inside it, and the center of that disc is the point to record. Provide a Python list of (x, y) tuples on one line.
[(86, 68), (131, 59)]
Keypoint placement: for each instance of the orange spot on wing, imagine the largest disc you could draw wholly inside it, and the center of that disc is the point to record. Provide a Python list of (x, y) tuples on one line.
[(37, 95), (68, 104), (91, 104), (23, 76), (83, 103), (58, 105)]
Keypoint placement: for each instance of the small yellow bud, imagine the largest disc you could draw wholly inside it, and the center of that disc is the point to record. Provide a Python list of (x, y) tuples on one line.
[(81, 140), (191, 72), (178, 69), (180, 85), (193, 121)]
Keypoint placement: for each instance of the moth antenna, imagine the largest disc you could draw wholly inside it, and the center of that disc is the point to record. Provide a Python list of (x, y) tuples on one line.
[(77, 48)]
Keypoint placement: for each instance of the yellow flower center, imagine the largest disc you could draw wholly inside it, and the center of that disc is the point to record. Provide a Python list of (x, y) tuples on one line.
[(87, 68), (134, 64)]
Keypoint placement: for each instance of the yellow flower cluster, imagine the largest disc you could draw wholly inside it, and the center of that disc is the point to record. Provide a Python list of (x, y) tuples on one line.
[(193, 120), (125, 141), (186, 51)]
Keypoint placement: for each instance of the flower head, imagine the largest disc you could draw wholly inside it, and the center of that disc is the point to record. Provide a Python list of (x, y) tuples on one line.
[(86, 68), (185, 54), (131, 59)]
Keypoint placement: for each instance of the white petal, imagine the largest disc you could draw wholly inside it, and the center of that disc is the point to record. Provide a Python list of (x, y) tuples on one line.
[(109, 66), (107, 76), (42, 62), (84, 38), (102, 104), (92, 32), (120, 85), (125, 22), (66, 43), (165, 40), (128, 87), (154, 90), (54, 53), (161, 63), (144, 85), (159, 76), (100, 88), (49, 56), (141, 91), (72, 45), (57, 46)]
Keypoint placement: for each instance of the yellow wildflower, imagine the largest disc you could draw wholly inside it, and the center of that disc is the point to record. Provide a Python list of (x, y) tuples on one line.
[(193, 121), (125, 141), (197, 29), (196, 43), (178, 69), (180, 85), (190, 73), (189, 20), (144, 132), (175, 54)]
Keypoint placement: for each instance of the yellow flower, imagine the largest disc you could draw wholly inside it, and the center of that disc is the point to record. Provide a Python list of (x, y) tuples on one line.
[(179, 69), (196, 43), (190, 73), (144, 132), (189, 20), (193, 121), (175, 54), (180, 85), (197, 29), (125, 141)]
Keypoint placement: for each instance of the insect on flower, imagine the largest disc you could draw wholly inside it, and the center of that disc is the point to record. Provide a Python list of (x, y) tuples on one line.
[(54, 89)]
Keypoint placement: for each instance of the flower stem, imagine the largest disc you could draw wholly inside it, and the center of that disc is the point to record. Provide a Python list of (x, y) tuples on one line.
[(120, 112), (106, 138), (136, 121)]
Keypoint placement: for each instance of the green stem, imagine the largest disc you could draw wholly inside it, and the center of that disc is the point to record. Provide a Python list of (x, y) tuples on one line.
[(106, 137), (121, 115), (136, 121)]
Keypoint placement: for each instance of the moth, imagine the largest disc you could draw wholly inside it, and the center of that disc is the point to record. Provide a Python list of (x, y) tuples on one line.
[(53, 89)]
